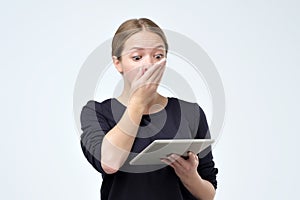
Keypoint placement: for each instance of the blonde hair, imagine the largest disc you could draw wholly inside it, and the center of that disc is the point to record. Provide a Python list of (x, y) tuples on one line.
[(131, 27)]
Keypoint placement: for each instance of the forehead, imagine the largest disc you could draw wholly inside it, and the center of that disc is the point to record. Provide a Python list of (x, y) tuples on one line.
[(144, 39)]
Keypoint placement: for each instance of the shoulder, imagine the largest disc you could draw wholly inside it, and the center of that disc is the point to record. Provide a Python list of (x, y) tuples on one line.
[(191, 110), (97, 103), (97, 106), (109, 110), (94, 108), (186, 106)]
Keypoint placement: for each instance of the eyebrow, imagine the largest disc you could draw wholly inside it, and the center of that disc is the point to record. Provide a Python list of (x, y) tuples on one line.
[(141, 48)]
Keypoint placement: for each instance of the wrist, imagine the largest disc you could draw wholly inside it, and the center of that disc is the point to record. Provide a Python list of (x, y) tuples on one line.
[(135, 109), (130, 121), (191, 179)]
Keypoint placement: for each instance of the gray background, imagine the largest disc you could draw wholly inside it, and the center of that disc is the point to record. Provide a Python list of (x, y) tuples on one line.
[(254, 45)]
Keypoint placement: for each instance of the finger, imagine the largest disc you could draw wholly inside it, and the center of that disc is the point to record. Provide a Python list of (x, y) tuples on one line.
[(193, 158), (179, 169), (149, 78), (157, 75), (133, 74), (154, 79), (171, 159), (160, 63), (167, 161), (148, 73), (139, 74), (151, 70), (192, 155), (183, 163)]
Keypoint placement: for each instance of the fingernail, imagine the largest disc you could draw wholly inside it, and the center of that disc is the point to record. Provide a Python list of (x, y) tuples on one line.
[(174, 155)]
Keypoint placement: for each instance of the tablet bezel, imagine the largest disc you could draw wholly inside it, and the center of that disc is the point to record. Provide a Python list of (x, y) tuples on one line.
[(151, 156)]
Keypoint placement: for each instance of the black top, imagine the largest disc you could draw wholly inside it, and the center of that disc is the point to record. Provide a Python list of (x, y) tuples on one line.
[(179, 119)]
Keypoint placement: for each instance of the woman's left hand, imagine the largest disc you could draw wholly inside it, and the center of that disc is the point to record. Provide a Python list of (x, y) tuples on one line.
[(185, 169)]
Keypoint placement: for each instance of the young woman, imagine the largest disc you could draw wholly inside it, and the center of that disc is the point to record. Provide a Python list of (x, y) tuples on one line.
[(116, 129)]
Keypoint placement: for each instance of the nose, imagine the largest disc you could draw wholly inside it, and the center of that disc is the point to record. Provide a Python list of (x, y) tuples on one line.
[(149, 60)]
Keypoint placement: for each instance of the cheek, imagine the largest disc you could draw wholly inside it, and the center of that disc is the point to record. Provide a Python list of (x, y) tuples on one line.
[(129, 66)]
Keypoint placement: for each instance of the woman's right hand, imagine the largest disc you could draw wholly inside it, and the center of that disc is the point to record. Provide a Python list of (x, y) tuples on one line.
[(119, 140), (145, 84)]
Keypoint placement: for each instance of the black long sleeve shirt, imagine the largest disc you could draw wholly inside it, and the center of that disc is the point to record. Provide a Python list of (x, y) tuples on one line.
[(179, 119)]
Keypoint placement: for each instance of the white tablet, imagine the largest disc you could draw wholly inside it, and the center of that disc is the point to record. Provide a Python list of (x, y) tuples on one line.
[(158, 149)]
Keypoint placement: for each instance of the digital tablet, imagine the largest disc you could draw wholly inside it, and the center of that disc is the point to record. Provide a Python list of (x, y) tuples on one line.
[(158, 149)]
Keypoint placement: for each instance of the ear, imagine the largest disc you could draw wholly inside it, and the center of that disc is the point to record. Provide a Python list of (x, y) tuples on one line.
[(117, 64)]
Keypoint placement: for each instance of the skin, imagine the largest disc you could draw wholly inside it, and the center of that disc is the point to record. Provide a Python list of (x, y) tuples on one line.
[(186, 170), (142, 64)]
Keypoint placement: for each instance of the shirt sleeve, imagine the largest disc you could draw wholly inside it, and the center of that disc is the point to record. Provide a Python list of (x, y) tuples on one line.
[(94, 126), (206, 167)]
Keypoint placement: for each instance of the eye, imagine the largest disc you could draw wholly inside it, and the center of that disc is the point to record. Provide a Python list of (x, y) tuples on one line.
[(136, 58), (159, 56)]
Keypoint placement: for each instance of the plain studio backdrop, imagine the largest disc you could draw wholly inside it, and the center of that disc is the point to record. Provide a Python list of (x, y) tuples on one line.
[(253, 44)]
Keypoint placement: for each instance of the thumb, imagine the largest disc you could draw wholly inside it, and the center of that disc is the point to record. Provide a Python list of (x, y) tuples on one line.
[(193, 157)]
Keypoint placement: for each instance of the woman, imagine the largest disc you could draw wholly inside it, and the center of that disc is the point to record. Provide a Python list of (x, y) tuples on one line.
[(118, 128)]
